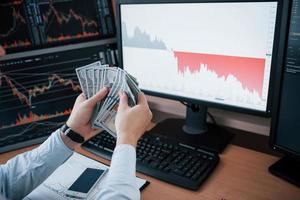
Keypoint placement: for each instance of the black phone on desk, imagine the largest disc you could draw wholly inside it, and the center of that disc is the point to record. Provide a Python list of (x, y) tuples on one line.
[(81, 188)]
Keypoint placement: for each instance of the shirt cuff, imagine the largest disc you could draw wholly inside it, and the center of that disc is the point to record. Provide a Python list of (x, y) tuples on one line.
[(123, 162), (66, 148)]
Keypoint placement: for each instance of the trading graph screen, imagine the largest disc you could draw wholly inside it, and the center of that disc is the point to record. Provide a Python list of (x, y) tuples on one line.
[(213, 52), (31, 24), (45, 40), (37, 92)]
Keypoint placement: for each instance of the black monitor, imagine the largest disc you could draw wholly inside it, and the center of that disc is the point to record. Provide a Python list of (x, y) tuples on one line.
[(212, 53), (45, 41), (285, 126)]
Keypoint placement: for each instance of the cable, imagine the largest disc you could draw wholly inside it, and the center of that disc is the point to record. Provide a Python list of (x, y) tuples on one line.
[(212, 118)]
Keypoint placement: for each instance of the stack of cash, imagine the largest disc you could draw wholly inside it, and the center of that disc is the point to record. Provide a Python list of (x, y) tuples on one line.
[(94, 77)]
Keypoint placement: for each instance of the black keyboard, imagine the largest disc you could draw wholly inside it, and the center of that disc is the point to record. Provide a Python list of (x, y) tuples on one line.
[(163, 158)]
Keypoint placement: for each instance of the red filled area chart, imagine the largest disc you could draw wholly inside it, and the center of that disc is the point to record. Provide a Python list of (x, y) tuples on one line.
[(248, 71), (224, 79)]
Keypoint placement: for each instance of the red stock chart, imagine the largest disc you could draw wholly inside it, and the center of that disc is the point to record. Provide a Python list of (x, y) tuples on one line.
[(225, 66)]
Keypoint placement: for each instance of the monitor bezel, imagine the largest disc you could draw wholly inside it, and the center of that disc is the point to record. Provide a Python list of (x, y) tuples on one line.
[(273, 135), (273, 131), (276, 110), (275, 73)]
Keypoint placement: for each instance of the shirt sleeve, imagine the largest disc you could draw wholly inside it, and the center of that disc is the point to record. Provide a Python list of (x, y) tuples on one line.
[(120, 180), (21, 174)]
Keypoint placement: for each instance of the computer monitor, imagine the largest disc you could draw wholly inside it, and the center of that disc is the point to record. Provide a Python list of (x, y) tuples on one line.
[(45, 41), (221, 54), (285, 126)]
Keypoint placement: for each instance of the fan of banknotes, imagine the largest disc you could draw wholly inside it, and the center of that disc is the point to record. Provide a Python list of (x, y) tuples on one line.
[(95, 76)]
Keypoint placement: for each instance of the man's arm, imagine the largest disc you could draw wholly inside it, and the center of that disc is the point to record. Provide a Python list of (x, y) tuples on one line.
[(20, 175), (120, 180), (131, 124)]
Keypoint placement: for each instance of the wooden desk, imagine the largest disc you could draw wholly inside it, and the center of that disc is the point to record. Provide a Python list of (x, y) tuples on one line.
[(242, 174)]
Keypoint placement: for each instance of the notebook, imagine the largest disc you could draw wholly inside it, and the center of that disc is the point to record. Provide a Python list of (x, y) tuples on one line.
[(61, 179)]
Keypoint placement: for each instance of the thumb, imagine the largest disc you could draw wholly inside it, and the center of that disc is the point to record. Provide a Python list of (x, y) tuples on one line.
[(123, 101), (98, 96)]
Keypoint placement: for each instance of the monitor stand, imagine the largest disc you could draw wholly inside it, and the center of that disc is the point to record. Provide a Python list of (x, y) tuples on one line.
[(195, 131), (288, 169)]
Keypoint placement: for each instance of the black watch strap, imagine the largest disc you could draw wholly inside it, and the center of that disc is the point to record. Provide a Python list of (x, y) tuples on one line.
[(76, 137)]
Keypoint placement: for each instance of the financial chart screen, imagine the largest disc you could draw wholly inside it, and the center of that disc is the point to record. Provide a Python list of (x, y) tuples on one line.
[(45, 41), (214, 52), (28, 24)]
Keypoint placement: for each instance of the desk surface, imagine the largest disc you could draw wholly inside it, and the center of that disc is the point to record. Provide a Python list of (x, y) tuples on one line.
[(241, 174)]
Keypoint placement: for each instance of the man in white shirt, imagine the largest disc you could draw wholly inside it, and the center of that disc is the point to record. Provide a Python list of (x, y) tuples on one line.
[(21, 174)]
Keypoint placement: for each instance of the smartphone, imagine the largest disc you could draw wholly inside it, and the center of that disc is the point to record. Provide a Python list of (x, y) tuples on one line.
[(85, 183)]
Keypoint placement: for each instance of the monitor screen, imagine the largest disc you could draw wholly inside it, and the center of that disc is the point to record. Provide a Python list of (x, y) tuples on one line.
[(38, 83), (212, 52), (43, 23)]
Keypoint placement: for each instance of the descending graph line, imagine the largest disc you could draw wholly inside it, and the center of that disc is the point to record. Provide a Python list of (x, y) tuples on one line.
[(141, 39), (52, 80), (14, 89)]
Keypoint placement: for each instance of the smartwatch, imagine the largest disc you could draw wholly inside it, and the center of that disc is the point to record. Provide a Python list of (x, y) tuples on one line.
[(76, 137)]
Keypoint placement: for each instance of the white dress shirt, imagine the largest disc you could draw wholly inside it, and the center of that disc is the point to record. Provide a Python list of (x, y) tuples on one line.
[(23, 173)]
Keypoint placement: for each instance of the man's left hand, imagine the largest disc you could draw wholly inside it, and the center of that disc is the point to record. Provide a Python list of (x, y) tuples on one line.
[(79, 120)]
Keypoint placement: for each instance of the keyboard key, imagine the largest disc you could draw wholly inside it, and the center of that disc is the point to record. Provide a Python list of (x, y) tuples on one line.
[(154, 164), (178, 172)]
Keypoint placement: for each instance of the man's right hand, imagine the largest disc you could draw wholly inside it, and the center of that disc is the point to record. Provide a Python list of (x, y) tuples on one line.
[(132, 122)]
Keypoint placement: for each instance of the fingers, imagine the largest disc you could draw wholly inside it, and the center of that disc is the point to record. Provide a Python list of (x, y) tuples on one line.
[(143, 102), (142, 99), (123, 101), (98, 96), (81, 97), (79, 100), (2, 51)]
